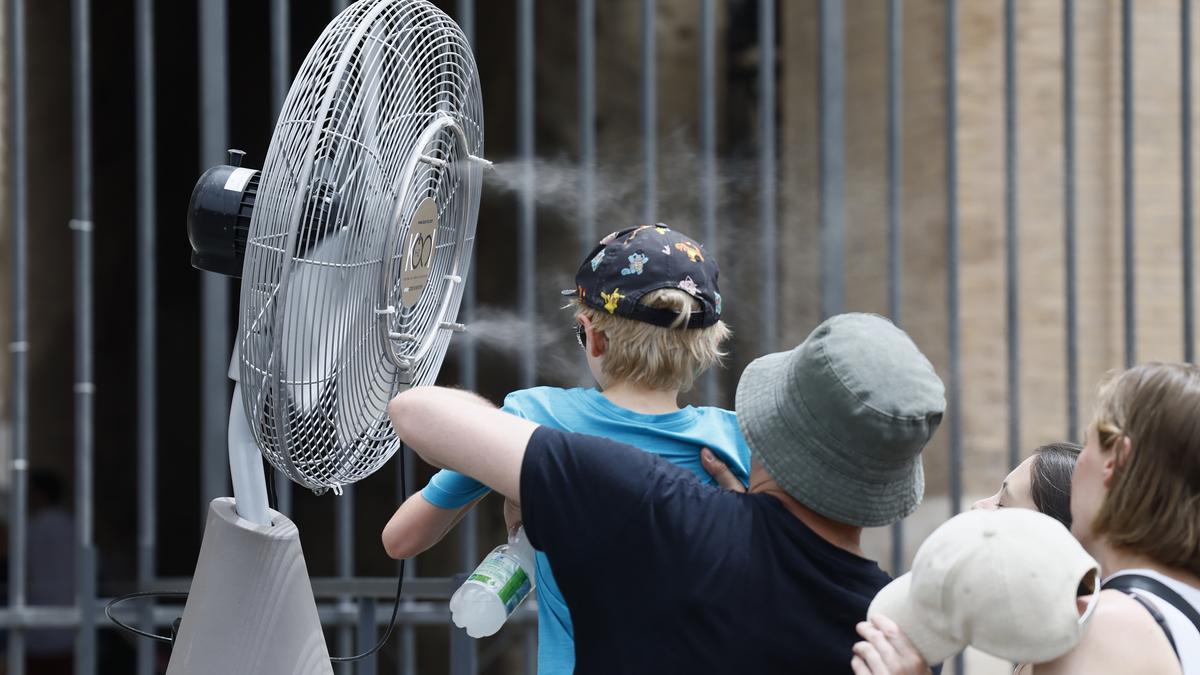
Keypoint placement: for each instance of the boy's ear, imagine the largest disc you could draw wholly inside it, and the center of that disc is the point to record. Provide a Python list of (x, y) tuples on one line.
[(596, 342)]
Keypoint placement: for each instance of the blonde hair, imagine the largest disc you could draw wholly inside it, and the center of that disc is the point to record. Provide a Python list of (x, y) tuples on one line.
[(1153, 502), (657, 357)]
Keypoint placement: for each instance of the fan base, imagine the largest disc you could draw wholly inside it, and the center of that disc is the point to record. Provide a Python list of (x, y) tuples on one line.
[(251, 607)]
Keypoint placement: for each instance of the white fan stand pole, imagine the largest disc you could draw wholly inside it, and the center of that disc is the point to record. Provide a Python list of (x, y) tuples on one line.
[(250, 609), (245, 459)]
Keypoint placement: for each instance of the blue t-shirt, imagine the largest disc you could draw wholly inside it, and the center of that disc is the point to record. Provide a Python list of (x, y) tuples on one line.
[(665, 575), (676, 437)]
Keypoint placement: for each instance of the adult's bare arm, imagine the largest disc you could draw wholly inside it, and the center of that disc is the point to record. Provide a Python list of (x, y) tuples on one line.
[(459, 430)]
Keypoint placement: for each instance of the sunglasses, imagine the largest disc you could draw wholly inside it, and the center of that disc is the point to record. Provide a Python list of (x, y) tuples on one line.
[(581, 335)]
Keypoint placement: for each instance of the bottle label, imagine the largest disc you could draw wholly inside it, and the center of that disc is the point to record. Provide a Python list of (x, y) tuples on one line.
[(503, 575)]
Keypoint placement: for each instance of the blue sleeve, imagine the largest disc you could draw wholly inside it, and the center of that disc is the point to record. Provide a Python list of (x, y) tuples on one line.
[(450, 489)]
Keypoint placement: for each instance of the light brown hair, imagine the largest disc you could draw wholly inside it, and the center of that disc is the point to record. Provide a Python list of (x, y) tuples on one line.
[(657, 357), (1153, 502)]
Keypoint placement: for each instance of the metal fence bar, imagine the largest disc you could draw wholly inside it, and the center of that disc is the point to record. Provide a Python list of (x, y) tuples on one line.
[(895, 45), (708, 152), (367, 636), (585, 30), (1127, 181), (952, 342), (586, 38), (18, 347), (344, 540), (1189, 247), (1072, 348), (895, 145), (468, 365), (463, 660), (832, 157), (527, 240), (330, 614), (768, 221), (214, 290), (467, 352), (952, 254), (649, 112), (406, 664), (344, 534), (408, 482), (85, 386), (767, 165), (1012, 235), (405, 486), (147, 322), (530, 642), (280, 81)]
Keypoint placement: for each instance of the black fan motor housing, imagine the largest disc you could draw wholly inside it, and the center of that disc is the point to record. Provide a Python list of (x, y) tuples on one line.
[(218, 217)]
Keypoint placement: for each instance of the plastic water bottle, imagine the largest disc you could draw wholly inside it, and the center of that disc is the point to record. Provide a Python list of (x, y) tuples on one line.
[(501, 582)]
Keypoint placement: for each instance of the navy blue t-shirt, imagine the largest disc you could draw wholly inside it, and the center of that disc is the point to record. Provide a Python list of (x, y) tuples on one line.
[(663, 574)]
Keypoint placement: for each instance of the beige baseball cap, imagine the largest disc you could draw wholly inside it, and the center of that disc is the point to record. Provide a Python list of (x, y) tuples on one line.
[(1004, 582)]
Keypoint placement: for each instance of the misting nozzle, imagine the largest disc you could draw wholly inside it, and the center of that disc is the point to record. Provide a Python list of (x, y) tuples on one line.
[(487, 164), (434, 161)]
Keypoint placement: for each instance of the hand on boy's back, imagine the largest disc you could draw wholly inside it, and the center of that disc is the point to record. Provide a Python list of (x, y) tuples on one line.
[(720, 471)]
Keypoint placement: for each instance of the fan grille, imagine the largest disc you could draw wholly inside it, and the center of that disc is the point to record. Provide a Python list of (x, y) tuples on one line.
[(381, 119)]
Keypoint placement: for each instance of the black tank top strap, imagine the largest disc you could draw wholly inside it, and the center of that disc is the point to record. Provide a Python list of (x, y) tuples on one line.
[(1128, 583)]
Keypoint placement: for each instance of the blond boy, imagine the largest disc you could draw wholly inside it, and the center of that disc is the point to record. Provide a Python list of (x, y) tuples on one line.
[(648, 319)]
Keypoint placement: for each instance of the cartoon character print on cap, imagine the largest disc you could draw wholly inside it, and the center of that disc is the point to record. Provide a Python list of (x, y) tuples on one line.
[(608, 238), (611, 300), (718, 303), (692, 251), (662, 229), (597, 259), (690, 286), (637, 261), (667, 250)]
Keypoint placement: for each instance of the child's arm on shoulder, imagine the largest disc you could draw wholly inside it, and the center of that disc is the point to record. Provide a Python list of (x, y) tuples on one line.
[(417, 525)]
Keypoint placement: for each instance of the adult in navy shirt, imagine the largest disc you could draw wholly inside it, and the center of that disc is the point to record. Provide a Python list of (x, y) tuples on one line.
[(663, 574)]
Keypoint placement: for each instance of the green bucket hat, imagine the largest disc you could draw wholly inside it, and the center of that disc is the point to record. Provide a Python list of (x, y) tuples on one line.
[(840, 421)]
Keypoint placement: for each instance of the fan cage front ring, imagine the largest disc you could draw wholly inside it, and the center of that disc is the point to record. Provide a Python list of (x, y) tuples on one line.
[(390, 305)]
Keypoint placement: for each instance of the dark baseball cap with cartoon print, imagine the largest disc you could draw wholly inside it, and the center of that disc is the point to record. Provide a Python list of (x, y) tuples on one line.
[(628, 264)]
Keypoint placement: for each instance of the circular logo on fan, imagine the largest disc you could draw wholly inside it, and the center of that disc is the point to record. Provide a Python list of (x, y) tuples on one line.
[(418, 252)]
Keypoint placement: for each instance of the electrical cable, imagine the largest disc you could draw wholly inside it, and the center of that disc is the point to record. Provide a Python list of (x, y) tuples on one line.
[(142, 594), (399, 583), (387, 634), (272, 497)]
